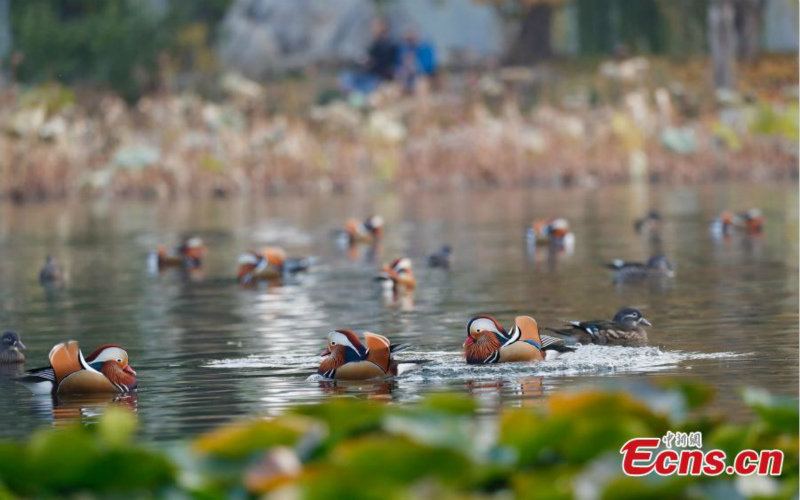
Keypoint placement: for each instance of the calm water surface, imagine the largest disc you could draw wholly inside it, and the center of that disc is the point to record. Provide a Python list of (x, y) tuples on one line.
[(208, 350)]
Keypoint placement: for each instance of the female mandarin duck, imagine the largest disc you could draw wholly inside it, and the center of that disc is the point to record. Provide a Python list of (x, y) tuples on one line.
[(346, 358), (271, 263), (51, 272), (553, 232), (488, 342), (106, 370), (624, 329), (655, 267), (398, 278), (367, 231), (650, 223), (442, 258), (11, 348), (189, 254)]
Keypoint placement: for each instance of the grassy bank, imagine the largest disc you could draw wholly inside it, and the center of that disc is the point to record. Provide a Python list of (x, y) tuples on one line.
[(565, 447), (613, 122)]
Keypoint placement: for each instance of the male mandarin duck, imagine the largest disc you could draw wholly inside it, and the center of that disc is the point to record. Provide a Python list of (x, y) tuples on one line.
[(367, 231), (106, 370), (271, 263), (441, 258), (11, 348), (624, 329), (553, 232), (189, 254), (751, 222), (51, 272), (656, 266), (347, 358), (650, 223), (488, 342), (398, 278)]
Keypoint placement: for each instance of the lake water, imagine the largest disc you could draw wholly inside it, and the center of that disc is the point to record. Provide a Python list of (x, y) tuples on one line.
[(208, 350)]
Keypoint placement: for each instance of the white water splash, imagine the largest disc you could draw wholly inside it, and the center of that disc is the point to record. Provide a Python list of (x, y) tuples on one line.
[(449, 365)]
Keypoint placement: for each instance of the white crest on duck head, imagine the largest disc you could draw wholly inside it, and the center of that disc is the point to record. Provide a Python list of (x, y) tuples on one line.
[(248, 258), (345, 339), (560, 223), (402, 264), (375, 221), (194, 242)]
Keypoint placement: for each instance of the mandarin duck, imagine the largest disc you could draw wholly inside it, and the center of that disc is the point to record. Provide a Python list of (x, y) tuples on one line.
[(398, 278), (270, 264), (650, 223), (51, 272), (552, 232), (656, 266), (189, 254), (488, 342), (624, 329), (724, 224), (752, 221), (106, 370), (442, 258), (347, 358), (369, 230), (11, 348)]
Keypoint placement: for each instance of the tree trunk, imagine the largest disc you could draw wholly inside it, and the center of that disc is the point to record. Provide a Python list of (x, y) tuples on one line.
[(749, 17), (722, 43), (532, 42)]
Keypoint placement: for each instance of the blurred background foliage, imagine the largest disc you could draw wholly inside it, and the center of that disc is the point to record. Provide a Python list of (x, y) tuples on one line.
[(564, 447), (112, 43)]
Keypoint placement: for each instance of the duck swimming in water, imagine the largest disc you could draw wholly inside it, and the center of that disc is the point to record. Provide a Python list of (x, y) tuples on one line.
[(347, 358), (398, 278), (727, 223), (189, 254), (650, 223), (11, 348), (369, 230), (488, 342), (624, 329), (51, 272), (442, 258), (106, 370), (271, 263), (657, 266), (551, 232)]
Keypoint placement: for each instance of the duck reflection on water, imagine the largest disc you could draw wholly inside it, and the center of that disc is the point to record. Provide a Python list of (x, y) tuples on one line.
[(84, 408)]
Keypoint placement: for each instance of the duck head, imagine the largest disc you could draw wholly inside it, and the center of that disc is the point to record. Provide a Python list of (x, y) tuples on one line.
[(193, 248), (401, 265), (753, 219), (374, 225), (660, 263), (343, 347), (484, 337), (558, 228), (248, 264), (631, 317), (11, 348), (112, 361)]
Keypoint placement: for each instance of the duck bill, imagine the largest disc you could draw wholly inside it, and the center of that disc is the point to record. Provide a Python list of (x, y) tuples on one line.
[(129, 370), (469, 341), (326, 352), (645, 322), (19, 345)]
